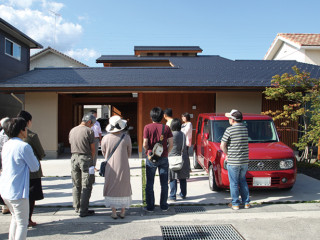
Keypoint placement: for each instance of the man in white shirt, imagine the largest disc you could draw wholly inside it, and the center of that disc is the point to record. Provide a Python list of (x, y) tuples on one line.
[(167, 114), (97, 137)]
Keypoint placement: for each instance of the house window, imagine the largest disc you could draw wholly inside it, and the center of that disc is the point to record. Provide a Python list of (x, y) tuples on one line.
[(13, 49), (149, 54), (173, 54), (185, 54), (161, 54)]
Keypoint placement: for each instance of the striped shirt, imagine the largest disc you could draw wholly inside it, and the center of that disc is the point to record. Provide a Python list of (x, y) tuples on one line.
[(236, 137)]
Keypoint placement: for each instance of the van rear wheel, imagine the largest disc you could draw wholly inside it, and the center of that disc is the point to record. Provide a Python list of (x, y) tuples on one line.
[(196, 165), (212, 182)]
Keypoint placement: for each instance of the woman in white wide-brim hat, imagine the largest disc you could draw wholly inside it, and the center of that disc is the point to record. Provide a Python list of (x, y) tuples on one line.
[(117, 186)]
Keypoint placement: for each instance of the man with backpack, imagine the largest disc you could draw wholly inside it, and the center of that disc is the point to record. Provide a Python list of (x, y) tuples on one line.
[(158, 142)]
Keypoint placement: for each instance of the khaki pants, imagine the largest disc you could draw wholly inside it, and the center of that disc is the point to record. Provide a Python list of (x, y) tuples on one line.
[(82, 181)]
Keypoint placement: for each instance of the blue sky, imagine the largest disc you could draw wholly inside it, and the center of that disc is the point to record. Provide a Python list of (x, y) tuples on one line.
[(234, 29)]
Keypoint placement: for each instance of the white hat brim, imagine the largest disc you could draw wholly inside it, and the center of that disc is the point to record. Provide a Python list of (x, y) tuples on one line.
[(108, 128)]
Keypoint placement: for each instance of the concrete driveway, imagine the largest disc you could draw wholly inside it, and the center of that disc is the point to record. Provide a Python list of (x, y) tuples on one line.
[(57, 187)]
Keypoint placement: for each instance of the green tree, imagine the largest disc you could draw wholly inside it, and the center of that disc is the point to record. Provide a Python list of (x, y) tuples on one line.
[(301, 94)]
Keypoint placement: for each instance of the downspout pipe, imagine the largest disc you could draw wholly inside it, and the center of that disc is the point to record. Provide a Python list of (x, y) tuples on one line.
[(19, 100)]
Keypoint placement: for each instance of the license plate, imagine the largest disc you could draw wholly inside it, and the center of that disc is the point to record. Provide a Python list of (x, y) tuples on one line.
[(261, 181)]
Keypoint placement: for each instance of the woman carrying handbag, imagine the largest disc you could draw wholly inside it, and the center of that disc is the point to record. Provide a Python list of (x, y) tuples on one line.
[(179, 147), (117, 187)]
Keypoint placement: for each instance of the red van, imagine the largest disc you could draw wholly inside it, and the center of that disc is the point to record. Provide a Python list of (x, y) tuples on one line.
[(272, 163)]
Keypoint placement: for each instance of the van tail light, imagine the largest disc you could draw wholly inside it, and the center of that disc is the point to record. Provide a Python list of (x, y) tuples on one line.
[(225, 164), (222, 157)]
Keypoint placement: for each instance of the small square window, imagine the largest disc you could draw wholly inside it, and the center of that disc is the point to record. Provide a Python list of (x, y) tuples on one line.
[(12, 49)]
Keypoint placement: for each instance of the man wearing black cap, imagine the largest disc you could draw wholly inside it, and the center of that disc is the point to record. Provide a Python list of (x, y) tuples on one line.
[(234, 143)]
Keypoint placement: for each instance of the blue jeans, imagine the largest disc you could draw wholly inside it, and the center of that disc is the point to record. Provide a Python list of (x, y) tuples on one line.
[(151, 168), (173, 188), (237, 179)]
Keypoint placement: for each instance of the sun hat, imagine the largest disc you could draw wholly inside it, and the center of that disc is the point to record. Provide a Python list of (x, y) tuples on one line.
[(116, 124), (234, 114), (3, 120)]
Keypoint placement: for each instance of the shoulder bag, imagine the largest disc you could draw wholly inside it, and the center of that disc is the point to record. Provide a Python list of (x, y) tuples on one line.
[(103, 164), (157, 148), (176, 162)]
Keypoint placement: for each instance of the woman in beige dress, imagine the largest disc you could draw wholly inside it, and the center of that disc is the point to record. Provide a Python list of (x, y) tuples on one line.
[(117, 187)]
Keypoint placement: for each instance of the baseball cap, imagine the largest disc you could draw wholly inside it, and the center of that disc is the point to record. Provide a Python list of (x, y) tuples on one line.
[(234, 114)]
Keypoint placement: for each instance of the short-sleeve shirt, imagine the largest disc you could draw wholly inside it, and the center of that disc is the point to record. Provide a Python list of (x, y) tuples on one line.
[(96, 129), (236, 137), (168, 123), (80, 138), (152, 132)]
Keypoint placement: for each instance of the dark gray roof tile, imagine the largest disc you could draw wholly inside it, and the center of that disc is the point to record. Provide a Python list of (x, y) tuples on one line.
[(202, 71)]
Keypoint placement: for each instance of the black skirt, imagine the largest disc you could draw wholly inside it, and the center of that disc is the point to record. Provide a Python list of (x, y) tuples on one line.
[(35, 192)]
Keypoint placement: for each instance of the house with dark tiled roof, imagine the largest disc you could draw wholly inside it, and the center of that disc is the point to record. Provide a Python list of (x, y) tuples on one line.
[(50, 57), (175, 77), (14, 60), (302, 47)]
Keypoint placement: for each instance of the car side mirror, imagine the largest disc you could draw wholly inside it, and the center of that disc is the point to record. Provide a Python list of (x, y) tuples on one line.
[(206, 136)]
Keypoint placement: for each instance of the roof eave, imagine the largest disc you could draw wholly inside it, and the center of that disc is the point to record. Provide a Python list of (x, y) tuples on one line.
[(276, 45), (5, 26), (311, 47), (129, 89)]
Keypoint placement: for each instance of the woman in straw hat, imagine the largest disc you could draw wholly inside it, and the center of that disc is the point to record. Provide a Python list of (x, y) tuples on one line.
[(117, 187)]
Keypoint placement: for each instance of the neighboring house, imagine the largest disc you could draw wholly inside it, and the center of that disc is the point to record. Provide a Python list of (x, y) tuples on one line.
[(50, 57), (175, 77), (301, 47), (14, 60)]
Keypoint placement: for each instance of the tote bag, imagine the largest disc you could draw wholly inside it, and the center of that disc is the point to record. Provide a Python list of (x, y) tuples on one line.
[(176, 162)]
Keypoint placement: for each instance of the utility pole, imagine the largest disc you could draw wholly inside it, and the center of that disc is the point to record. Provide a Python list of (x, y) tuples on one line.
[(55, 25)]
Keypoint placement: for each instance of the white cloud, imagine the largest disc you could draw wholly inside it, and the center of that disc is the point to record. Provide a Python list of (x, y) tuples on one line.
[(85, 54), (36, 19), (21, 3), (53, 6), (42, 26)]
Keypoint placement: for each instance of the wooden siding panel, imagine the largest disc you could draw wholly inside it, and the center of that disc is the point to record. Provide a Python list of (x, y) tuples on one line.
[(289, 133), (65, 113), (178, 102)]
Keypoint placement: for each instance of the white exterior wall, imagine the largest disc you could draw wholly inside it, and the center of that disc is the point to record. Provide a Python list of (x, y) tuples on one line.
[(44, 110), (288, 52), (52, 60), (313, 56), (245, 102)]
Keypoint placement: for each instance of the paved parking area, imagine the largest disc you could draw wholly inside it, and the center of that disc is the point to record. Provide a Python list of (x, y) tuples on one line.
[(57, 187)]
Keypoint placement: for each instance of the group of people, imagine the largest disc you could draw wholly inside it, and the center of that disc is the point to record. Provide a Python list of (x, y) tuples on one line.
[(116, 147), (21, 152), (20, 182), (176, 139)]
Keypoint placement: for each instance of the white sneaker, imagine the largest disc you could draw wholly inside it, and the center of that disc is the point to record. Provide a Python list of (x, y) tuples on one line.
[(233, 206)]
